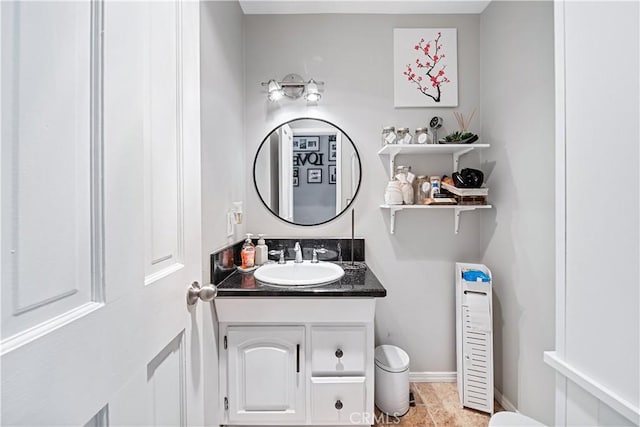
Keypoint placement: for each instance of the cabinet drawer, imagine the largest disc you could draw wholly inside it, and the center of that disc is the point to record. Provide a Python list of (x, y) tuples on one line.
[(338, 400), (338, 350)]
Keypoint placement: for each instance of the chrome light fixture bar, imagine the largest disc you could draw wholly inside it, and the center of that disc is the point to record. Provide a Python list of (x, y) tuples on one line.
[(293, 86)]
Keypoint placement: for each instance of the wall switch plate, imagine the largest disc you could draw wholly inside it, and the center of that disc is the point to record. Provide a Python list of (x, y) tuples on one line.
[(230, 224)]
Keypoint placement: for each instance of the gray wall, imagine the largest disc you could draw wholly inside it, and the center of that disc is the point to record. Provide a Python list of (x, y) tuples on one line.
[(223, 156), (353, 54), (517, 110)]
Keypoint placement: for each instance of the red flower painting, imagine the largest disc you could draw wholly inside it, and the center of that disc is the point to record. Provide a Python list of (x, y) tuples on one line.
[(425, 70), (428, 73)]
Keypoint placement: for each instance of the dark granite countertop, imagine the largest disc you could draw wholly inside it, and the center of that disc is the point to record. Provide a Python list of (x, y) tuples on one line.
[(361, 283)]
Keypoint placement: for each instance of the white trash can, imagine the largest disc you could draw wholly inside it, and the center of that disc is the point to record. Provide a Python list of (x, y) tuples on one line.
[(392, 380)]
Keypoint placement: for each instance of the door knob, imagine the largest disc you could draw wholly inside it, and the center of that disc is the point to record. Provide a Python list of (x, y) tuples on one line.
[(338, 404), (205, 293), (339, 353)]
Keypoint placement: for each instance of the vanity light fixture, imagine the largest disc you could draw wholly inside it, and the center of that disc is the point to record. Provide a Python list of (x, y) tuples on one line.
[(293, 86)]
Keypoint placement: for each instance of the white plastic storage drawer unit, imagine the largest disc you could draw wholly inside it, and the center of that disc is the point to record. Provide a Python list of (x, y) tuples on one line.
[(474, 339)]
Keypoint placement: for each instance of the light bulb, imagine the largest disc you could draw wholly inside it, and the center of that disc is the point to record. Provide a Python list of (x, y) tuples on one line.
[(312, 94), (275, 91)]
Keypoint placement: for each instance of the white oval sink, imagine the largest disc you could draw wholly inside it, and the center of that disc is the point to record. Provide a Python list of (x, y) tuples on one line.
[(301, 274)]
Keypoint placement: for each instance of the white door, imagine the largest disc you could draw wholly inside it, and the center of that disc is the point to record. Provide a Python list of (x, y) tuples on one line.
[(339, 173), (100, 213), (265, 374), (286, 173)]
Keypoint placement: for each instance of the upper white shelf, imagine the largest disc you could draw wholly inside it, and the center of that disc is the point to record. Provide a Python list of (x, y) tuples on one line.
[(456, 150)]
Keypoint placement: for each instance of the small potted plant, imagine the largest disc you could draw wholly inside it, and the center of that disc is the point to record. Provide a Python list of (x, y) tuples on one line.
[(462, 136)]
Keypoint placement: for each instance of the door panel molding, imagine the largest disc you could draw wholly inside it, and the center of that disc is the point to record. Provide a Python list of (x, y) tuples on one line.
[(97, 152), (157, 396), (164, 160), (38, 304), (32, 334)]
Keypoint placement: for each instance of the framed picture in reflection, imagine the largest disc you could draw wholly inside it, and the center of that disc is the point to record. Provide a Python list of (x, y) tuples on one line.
[(306, 143), (314, 176)]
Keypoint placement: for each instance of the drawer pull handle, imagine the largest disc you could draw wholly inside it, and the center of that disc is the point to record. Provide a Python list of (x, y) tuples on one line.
[(339, 353), (338, 404)]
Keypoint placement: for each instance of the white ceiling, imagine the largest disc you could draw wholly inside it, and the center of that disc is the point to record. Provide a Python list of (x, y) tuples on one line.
[(284, 7)]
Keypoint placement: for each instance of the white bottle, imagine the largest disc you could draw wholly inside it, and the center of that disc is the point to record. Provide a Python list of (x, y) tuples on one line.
[(435, 186), (262, 251)]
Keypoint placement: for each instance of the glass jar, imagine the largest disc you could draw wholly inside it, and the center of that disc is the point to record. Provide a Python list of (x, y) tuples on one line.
[(421, 136), (403, 136), (406, 179), (422, 190), (388, 135), (403, 171)]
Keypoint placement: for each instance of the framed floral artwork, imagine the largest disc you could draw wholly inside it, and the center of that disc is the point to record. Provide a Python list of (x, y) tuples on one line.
[(425, 67)]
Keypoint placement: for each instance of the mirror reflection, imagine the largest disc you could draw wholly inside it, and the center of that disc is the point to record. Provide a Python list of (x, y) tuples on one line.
[(307, 171)]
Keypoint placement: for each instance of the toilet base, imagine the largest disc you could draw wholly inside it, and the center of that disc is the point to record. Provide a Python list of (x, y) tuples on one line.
[(512, 419)]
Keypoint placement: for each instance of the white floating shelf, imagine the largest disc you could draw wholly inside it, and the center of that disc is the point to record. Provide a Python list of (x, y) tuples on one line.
[(457, 209), (456, 150)]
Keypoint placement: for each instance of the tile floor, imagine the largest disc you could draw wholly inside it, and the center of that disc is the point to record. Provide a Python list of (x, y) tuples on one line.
[(437, 405)]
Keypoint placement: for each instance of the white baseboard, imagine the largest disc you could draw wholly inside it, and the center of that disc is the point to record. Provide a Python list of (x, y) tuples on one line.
[(432, 377), (506, 403)]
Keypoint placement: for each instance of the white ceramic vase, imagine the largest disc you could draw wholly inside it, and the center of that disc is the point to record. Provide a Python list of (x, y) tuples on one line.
[(393, 193)]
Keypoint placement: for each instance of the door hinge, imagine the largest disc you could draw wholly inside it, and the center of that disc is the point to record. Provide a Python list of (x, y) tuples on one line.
[(225, 342), (226, 404)]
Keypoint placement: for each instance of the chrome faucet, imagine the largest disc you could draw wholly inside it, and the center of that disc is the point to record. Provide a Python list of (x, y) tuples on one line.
[(281, 253), (296, 248), (316, 251)]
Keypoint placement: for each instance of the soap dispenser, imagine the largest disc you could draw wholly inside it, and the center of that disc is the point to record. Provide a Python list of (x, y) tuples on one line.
[(262, 251), (248, 253)]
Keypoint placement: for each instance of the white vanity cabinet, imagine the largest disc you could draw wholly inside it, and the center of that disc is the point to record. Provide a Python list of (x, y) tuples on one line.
[(296, 361)]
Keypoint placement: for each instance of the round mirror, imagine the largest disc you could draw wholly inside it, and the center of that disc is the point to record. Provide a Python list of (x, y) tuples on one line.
[(307, 171)]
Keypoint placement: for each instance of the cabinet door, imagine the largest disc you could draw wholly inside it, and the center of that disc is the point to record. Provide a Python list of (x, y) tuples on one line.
[(266, 374)]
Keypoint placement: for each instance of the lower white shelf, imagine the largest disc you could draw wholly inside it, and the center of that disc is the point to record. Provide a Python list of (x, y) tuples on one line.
[(457, 209)]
